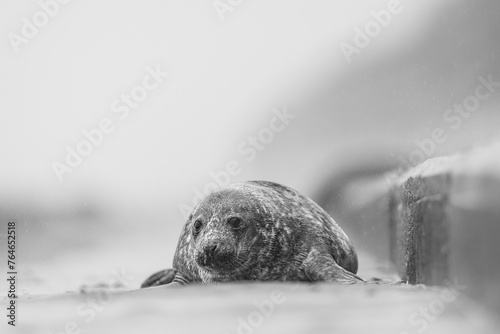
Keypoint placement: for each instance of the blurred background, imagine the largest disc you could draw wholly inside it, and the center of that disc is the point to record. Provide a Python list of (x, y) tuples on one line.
[(297, 92)]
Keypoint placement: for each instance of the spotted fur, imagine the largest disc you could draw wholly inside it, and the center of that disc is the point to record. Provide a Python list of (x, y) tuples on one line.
[(282, 236)]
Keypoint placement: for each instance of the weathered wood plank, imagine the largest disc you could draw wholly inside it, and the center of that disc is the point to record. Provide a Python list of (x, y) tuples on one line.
[(419, 228), (444, 222)]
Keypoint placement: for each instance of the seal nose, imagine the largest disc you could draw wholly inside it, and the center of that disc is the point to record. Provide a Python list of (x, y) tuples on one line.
[(210, 255), (210, 251)]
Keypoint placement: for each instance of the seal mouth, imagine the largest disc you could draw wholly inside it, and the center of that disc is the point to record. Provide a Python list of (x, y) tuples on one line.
[(234, 270)]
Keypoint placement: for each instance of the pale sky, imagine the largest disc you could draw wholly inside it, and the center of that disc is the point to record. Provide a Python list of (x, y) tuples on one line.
[(225, 78)]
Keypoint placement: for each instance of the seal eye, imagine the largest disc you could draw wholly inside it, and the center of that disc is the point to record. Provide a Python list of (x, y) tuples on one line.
[(235, 222), (197, 227)]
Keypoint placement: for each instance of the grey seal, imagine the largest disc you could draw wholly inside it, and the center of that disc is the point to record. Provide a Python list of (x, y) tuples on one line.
[(260, 230)]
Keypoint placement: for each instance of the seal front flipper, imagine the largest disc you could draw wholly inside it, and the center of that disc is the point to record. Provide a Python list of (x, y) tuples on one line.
[(320, 268), (160, 278)]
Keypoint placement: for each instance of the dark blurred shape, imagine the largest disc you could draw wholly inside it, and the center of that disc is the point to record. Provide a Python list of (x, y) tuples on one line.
[(440, 224), (47, 229)]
